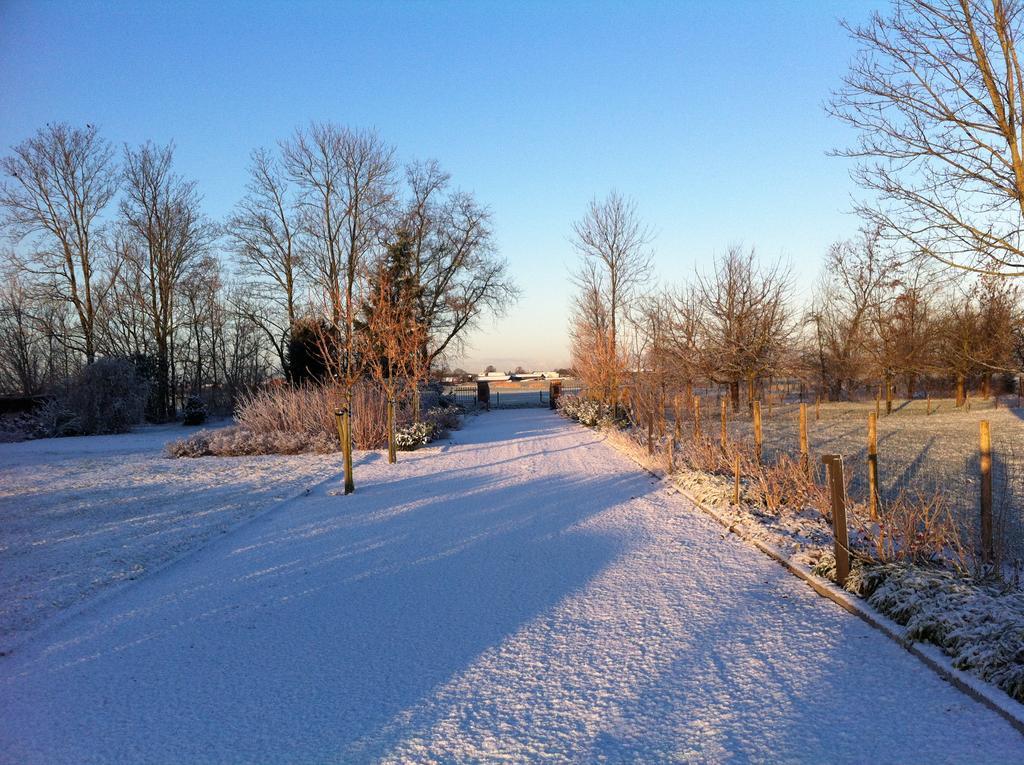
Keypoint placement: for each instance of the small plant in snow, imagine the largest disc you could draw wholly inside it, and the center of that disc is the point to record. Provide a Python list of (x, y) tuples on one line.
[(414, 435), (979, 624), (195, 411)]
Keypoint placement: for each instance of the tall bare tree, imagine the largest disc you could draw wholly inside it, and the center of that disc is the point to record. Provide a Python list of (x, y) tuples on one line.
[(59, 183), (22, 357), (345, 182), (265, 233), (746, 320), (936, 95), (459, 273), (163, 234), (615, 262), (853, 278)]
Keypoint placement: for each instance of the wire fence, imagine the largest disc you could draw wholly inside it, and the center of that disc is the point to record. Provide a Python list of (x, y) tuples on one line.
[(924, 448)]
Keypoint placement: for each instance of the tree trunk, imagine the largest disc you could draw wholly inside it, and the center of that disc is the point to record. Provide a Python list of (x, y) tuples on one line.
[(961, 390), (734, 394)]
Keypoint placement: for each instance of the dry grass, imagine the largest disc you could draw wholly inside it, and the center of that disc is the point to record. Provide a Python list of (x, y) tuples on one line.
[(294, 420)]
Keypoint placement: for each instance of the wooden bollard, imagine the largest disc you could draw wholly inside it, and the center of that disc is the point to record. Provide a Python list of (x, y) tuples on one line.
[(805, 455), (878, 405), (725, 429), (873, 466), (736, 480), (929, 412), (757, 431), (344, 421), (837, 487), (392, 456), (985, 465), (817, 407), (650, 432), (696, 418)]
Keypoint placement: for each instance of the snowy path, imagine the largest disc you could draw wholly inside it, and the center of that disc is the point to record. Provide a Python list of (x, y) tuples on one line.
[(524, 593)]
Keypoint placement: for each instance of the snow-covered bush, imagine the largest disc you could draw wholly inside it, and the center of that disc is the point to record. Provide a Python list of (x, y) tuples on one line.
[(979, 624), (236, 441), (444, 418), (414, 435), (290, 420), (584, 410), (19, 426), (195, 411)]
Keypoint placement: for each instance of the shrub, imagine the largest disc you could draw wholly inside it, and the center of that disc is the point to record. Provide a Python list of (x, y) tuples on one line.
[(292, 420), (445, 418), (585, 411), (414, 435), (237, 441), (195, 411), (978, 623), (105, 397)]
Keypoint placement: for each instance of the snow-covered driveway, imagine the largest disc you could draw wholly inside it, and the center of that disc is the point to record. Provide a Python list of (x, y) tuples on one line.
[(523, 593)]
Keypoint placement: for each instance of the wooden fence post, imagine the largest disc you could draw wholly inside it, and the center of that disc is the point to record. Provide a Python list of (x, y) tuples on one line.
[(725, 430), (696, 418), (929, 404), (873, 465), (757, 431), (985, 463), (817, 407), (837, 486), (671, 455), (736, 480), (805, 456), (677, 416), (650, 432), (392, 457), (344, 422), (554, 393)]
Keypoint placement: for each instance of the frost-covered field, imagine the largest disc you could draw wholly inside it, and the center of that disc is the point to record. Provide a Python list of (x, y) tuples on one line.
[(916, 451), (523, 593), (79, 515)]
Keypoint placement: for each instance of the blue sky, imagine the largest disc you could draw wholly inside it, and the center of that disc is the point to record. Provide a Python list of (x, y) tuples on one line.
[(708, 114)]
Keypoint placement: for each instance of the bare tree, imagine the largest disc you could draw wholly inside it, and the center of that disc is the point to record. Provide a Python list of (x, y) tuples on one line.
[(22, 358), (60, 182), (746, 320), (264, 232), (456, 266), (390, 336), (683, 340), (935, 93), (851, 284), (163, 234), (597, 363), (615, 264), (345, 184)]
